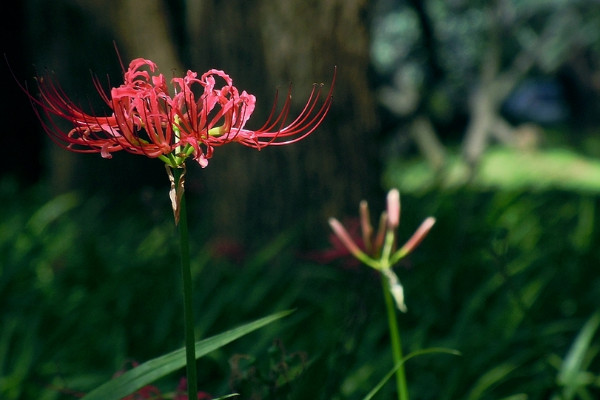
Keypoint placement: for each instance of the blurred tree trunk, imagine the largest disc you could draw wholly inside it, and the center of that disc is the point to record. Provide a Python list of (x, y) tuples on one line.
[(263, 45), (496, 83)]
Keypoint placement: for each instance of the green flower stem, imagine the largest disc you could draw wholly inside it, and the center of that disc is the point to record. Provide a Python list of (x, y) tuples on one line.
[(395, 339), (188, 312), (386, 251)]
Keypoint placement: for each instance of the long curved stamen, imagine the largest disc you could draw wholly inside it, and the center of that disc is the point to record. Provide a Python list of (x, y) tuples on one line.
[(305, 123), (146, 120)]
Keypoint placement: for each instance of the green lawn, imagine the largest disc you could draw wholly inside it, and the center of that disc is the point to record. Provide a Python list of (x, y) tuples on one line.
[(504, 169)]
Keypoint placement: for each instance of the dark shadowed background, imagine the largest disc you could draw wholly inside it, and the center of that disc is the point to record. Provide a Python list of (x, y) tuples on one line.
[(263, 45), (484, 114), (412, 76)]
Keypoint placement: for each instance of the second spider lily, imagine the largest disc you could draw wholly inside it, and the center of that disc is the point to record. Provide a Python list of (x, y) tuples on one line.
[(379, 247)]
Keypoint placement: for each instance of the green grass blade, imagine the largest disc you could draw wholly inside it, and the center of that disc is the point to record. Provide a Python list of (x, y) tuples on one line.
[(154, 369), (491, 378), (51, 211), (391, 373), (571, 372), (229, 396), (519, 396)]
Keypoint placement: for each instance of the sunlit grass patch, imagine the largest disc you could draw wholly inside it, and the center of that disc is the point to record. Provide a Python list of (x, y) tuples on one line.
[(502, 168)]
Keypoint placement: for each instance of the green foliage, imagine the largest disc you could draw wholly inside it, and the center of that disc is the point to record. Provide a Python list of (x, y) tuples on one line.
[(507, 277), (387, 377), (155, 369), (573, 376), (268, 377), (506, 169), (514, 283)]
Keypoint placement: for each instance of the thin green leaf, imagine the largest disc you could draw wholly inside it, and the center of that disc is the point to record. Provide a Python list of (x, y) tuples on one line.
[(228, 396), (518, 396), (570, 374), (154, 369), (391, 373), (491, 378), (51, 211)]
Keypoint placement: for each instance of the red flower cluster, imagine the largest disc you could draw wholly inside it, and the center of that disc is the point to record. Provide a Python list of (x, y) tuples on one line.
[(146, 119), (153, 393)]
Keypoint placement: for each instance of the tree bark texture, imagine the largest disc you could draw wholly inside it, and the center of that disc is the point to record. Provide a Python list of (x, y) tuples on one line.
[(264, 45)]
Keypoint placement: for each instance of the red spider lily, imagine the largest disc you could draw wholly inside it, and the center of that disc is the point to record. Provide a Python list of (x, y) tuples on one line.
[(150, 392), (181, 395), (146, 119), (380, 252), (145, 393), (153, 393)]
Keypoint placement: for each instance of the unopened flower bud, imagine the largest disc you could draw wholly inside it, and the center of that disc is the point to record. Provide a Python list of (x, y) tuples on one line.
[(344, 237), (393, 208), (415, 239), (365, 226)]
